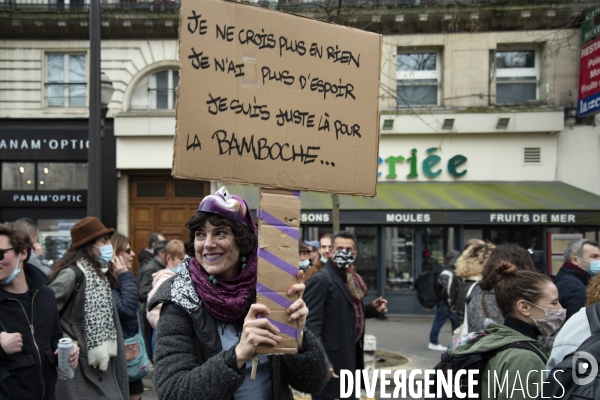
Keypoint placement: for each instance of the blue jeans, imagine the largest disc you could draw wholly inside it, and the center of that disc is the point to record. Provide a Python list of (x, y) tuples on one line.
[(441, 315)]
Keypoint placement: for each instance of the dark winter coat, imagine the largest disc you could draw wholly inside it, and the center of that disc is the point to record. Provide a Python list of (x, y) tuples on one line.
[(331, 318), (145, 285), (189, 362), (145, 255), (33, 370), (126, 300), (571, 282), (89, 382)]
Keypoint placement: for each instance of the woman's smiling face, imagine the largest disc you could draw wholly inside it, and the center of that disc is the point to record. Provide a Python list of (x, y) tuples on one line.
[(217, 250)]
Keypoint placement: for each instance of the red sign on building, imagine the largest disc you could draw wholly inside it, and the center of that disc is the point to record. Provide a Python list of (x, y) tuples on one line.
[(589, 79)]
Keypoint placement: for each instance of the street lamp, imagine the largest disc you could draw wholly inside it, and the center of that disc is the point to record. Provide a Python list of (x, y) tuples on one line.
[(106, 93)]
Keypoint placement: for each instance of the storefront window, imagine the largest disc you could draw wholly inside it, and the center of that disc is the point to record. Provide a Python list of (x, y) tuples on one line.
[(399, 258), (61, 176), (55, 237), (317, 232), (366, 261), (18, 176), (434, 242)]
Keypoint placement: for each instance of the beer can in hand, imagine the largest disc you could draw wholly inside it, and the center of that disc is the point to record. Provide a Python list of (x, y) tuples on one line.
[(65, 347)]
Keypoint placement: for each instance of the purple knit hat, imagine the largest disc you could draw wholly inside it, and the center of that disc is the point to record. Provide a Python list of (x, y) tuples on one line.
[(226, 205)]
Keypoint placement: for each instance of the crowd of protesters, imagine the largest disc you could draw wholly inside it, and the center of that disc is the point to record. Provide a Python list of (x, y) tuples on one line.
[(190, 313)]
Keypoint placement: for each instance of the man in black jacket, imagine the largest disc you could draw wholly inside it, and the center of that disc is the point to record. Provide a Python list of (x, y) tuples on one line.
[(337, 314), (574, 275), (146, 255), (29, 321)]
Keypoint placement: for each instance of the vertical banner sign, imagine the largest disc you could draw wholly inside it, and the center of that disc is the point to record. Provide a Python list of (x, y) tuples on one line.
[(589, 79), (276, 100)]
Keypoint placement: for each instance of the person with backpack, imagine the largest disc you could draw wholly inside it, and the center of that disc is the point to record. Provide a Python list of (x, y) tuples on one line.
[(508, 355), (469, 267), (439, 291)]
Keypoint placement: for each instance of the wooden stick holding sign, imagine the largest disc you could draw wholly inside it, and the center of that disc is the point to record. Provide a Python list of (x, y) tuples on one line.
[(278, 227)]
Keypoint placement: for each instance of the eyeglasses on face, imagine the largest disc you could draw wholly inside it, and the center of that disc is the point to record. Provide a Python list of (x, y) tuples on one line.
[(128, 250), (4, 251)]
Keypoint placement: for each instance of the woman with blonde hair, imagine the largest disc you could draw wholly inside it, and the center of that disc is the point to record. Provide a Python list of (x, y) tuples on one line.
[(469, 267)]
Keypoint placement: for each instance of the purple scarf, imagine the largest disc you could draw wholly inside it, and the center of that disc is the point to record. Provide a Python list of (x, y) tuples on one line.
[(230, 300)]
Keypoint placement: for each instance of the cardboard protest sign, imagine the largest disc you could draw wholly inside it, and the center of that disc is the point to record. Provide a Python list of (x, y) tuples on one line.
[(276, 100), (278, 224)]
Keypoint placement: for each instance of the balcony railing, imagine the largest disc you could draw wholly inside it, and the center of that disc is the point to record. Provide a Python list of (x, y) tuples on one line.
[(273, 4)]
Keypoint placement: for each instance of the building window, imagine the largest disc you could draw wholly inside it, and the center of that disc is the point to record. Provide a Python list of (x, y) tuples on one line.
[(156, 91), (418, 79), (517, 76), (44, 176), (65, 80)]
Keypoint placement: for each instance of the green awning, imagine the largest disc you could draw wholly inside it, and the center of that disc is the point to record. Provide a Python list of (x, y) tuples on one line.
[(540, 196)]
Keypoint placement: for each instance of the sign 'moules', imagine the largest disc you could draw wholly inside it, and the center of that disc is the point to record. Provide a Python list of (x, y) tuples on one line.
[(275, 100)]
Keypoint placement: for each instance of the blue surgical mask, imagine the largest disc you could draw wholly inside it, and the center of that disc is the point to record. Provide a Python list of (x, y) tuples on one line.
[(594, 266), (177, 269), (304, 264), (12, 276), (106, 252), (324, 260)]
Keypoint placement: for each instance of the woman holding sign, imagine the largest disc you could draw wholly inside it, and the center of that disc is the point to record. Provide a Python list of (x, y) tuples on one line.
[(210, 325)]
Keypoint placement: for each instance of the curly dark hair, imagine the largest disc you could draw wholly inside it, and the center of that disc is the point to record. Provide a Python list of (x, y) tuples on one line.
[(511, 253), (18, 238), (85, 252), (245, 238)]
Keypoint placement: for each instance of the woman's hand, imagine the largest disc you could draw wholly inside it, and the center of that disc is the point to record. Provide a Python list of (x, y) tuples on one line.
[(74, 356), (11, 343), (255, 331), (119, 265), (298, 310)]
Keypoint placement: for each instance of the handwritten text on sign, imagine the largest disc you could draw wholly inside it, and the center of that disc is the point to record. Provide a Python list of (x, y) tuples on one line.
[(276, 100)]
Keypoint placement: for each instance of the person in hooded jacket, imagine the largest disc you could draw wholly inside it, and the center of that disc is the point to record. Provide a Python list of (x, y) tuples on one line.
[(29, 321), (529, 304)]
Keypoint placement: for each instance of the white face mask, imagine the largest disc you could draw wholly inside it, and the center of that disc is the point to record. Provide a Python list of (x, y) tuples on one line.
[(304, 263)]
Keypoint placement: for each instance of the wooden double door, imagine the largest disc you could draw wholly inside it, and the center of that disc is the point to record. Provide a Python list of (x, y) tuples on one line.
[(161, 204)]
